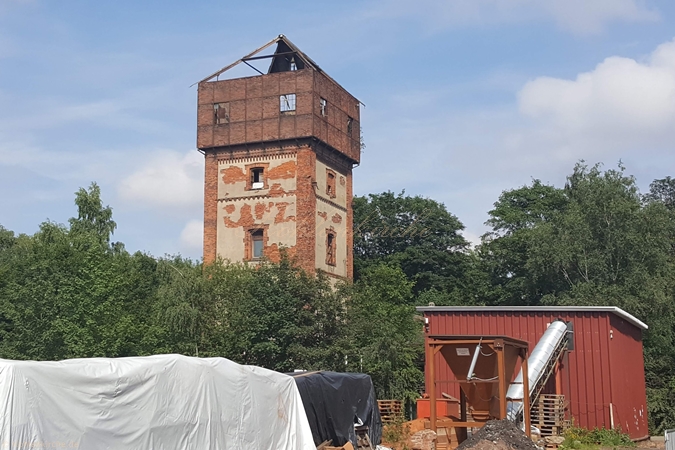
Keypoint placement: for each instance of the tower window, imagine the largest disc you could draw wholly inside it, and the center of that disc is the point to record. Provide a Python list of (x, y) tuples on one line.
[(256, 237), (330, 247), (350, 123), (293, 65), (330, 183), (257, 178), (287, 102), (221, 113), (323, 103)]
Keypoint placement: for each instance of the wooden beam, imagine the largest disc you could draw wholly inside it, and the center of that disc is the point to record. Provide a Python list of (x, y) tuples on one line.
[(432, 387), (501, 373)]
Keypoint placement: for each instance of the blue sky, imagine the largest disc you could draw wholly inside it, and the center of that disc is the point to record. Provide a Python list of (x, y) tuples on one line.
[(464, 98)]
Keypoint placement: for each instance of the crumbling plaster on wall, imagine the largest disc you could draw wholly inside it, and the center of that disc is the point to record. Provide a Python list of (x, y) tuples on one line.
[(241, 209)]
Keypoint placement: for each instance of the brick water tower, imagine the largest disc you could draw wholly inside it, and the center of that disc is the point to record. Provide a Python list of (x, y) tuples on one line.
[(279, 150)]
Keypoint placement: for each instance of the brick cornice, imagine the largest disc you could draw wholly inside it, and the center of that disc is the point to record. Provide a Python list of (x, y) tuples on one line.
[(332, 203), (323, 151), (332, 275), (254, 197), (255, 157), (266, 149)]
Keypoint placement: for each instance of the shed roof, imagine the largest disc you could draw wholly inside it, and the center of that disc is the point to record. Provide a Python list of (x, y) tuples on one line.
[(608, 309)]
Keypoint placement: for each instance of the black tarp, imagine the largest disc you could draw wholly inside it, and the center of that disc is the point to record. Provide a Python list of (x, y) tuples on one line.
[(334, 402)]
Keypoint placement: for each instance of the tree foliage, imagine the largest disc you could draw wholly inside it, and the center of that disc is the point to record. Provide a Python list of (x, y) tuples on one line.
[(662, 191), (383, 338), (416, 234), (66, 293)]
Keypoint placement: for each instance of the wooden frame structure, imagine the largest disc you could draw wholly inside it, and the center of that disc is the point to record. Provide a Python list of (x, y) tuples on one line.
[(505, 349)]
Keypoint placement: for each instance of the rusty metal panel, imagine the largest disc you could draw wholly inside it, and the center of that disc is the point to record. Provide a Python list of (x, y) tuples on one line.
[(589, 375)]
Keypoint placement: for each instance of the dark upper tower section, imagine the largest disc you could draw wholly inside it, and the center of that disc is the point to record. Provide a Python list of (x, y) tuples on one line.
[(294, 100)]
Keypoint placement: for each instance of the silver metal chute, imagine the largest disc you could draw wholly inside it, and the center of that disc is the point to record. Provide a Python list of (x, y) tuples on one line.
[(540, 360)]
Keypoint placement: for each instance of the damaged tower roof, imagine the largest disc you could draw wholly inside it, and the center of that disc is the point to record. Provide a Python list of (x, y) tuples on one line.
[(287, 57)]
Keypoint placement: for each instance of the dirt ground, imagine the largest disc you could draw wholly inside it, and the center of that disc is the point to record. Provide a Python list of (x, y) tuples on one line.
[(499, 435), (656, 442)]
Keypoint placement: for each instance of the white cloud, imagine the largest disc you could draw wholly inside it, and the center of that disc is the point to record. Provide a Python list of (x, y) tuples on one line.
[(191, 238), (622, 102), (623, 109), (168, 179), (576, 16), (473, 238)]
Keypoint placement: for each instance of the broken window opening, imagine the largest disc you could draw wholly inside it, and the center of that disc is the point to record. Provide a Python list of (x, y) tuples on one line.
[(330, 248), (257, 244), (323, 103), (221, 113), (257, 180), (287, 102), (293, 65), (330, 183), (350, 122)]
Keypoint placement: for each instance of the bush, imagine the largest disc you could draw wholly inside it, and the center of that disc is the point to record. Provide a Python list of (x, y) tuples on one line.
[(577, 438)]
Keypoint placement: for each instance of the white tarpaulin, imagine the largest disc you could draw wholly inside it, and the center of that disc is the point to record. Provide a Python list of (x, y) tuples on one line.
[(158, 402)]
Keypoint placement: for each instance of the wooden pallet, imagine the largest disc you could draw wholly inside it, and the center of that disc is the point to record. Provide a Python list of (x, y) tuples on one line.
[(391, 411), (548, 414), (363, 439)]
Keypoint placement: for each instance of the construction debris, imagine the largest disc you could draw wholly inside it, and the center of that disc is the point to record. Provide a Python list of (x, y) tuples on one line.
[(422, 440), (498, 435), (391, 411)]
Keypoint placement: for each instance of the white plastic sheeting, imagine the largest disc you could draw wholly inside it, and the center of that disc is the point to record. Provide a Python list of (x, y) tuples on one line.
[(161, 402)]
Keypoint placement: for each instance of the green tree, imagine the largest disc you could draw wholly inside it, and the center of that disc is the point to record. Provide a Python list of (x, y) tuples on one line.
[(415, 233), (505, 251), (281, 318), (67, 293), (184, 306), (7, 238), (384, 340), (662, 190), (272, 315), (92, 216)]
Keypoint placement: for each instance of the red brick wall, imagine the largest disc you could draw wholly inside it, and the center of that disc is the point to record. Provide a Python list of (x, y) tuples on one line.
[(350, 228), (210, 206), (306, 210)]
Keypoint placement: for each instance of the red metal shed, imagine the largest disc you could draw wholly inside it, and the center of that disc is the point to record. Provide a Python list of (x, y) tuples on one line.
[(603, 378)]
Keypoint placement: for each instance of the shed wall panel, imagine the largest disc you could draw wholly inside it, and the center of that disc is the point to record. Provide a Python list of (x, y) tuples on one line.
[(586, 377), (629, 402)]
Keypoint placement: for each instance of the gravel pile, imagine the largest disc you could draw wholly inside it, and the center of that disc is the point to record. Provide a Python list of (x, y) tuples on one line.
[(498, 435)]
